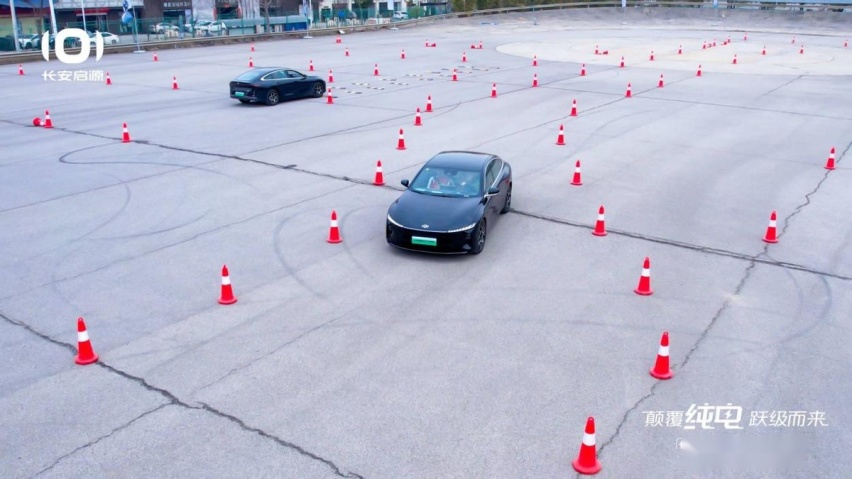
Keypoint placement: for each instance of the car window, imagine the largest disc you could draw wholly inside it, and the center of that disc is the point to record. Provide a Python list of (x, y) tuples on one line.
[(497, 168), (293, 74), (276, 75), (448, 182)]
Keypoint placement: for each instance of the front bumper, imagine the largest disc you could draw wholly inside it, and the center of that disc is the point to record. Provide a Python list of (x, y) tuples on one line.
[(428, 241)]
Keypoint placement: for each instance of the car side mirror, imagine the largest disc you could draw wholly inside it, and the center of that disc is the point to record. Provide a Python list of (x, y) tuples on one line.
[(404, 183), (493, 191)]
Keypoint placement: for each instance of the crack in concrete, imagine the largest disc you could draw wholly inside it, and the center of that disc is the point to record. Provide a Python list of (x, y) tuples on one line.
[(799, 208), (688, 246), (174, 400), (282, 442), (99, 439), (722, 309)]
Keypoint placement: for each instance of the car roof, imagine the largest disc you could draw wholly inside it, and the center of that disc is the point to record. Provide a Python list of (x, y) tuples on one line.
[(460, 159)]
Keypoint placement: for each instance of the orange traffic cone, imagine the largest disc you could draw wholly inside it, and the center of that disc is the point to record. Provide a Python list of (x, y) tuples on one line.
[(699, 71), (535, 61), (311, 66), (680, 49), (583, 70), (560, 138), (464, 57), (661, 369), (652, 55), (480, 45), (845, 43), (621, 65), (85, 353), (763, 52), (771, 230), (600, 225), (400, 145), (574, 108), (829, 165), (251, 63), (402, 55), (376, 70), (794, 41), (455, 77), (628, 94), (252, 46), (20, 69), (380, 176), (156, 59), (329, 98), (429, 104), (587, 461), (47, 121), (334, 231), (417, 121), (493, 90), (535, 80), (227, 294), (597, 52), (660, 84), (735, 59), (745, 37), (644, 287), (108, 79), (337, 40), (174, 83), (125, 134), (330, 77), (577, 180), (802, 50), (347, 52)]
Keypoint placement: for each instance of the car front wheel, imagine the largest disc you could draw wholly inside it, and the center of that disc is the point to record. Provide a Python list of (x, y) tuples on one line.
[(272, 97), (318, 90), (478, 240)]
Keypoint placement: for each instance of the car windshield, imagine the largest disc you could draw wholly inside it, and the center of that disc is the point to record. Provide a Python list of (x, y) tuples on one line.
[(448, 182)]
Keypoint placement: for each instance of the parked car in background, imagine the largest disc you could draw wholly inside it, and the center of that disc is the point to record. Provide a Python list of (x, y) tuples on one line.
[(400, 15), (109, 38), (160, 28), (206, 26), (30, 41)]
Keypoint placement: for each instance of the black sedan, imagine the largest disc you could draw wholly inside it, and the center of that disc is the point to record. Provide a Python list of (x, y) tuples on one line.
[(450, 204), (271, 85)]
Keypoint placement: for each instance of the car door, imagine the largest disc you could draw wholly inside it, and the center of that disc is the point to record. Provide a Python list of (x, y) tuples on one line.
[(277, 80), (300, 86)]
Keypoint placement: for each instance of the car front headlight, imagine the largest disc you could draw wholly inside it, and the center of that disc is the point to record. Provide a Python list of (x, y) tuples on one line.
[(457, 230), (394, 222)]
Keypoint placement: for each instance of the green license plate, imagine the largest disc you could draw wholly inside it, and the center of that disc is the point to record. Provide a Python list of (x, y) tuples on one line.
[(419, 240), (239, 93)]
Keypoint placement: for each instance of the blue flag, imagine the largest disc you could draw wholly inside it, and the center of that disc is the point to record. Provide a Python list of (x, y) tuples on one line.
[(126, 17)]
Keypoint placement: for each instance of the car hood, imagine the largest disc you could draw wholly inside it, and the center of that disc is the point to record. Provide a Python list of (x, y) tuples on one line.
[(413, 210)]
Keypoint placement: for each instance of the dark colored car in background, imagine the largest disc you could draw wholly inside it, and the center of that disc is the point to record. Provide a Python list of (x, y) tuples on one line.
[(271, 85), (450, 204)]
